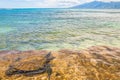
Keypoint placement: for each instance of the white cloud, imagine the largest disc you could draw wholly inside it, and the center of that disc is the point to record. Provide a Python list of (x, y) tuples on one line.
[(44, 3), (63, 3), (59, 3), (53, 3)]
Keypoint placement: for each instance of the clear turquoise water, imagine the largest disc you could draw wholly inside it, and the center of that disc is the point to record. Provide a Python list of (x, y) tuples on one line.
[(54, 29)]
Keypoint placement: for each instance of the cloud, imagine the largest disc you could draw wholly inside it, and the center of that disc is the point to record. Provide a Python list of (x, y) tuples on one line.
[(64, 3), (44, 3), (55, 3)]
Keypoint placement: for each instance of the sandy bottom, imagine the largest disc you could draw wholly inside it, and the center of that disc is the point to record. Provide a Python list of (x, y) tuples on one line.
[(93, 63)]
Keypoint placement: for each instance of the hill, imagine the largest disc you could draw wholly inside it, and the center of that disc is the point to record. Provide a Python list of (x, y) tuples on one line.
[(99, 5)]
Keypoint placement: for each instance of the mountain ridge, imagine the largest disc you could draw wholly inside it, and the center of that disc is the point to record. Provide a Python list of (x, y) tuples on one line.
[(99, 5)]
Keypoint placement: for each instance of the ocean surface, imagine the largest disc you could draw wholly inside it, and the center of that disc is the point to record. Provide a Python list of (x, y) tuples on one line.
[(54, 29)]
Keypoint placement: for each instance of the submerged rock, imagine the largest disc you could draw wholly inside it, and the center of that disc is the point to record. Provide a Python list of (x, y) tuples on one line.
[(94, 63), (31, 66)]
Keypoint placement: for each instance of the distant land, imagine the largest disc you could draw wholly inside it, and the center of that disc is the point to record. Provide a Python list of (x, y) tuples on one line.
[(99, 5)]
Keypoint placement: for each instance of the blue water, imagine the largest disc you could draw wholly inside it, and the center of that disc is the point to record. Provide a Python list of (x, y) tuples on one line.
[(54, 29)]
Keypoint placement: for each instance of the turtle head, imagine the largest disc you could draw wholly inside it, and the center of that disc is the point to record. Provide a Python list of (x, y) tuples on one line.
[(49, 57)]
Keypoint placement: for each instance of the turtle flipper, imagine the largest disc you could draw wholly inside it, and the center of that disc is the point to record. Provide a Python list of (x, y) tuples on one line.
[(10, 71), (48, 70)]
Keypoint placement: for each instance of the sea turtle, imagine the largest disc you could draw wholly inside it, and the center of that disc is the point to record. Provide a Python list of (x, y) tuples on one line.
[(31, 66)]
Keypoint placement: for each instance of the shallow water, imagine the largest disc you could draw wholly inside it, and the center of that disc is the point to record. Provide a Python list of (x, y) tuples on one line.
[(54, 29)]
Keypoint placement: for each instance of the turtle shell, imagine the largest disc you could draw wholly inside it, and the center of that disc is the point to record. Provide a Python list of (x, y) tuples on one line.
[(31, 63)]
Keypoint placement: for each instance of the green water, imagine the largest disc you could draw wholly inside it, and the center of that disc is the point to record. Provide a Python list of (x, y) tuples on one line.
[(5, 29)]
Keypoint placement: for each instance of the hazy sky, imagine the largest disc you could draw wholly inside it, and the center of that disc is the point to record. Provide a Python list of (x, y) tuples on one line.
[(43, 3)]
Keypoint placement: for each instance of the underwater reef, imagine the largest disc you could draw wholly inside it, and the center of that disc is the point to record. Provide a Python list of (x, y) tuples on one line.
[(93, 63)]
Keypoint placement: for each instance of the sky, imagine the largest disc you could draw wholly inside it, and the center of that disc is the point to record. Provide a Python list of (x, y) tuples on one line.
[(43, 3)]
